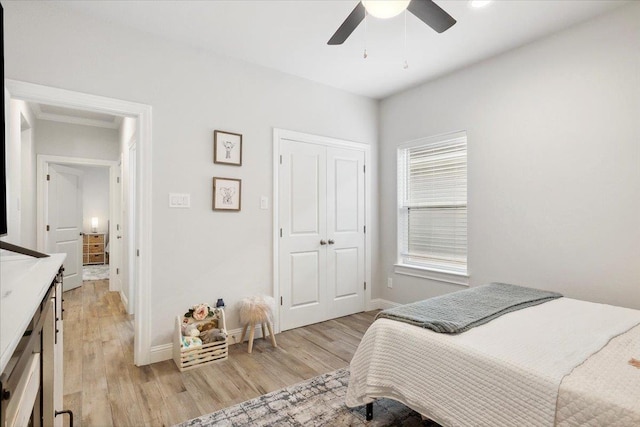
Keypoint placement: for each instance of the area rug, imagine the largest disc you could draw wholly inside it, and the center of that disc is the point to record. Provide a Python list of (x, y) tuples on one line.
[(315, 402), (95, 272)]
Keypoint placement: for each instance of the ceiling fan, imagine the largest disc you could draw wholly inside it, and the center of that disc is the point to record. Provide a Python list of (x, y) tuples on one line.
[(426, 10)]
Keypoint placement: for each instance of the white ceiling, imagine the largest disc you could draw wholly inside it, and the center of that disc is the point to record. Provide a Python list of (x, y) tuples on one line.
[(291, 36)]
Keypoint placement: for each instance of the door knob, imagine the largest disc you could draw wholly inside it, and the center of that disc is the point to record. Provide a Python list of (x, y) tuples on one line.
[(322, 242), (331, 241)]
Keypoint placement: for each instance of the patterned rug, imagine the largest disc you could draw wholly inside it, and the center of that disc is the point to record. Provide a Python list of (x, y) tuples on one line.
[(315, 402), (95, 272)]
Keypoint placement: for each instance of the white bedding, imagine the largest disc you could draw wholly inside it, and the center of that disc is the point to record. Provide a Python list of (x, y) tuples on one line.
[(604, 390), (506, 372)]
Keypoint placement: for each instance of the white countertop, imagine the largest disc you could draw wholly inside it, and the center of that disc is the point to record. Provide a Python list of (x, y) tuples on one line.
[(24, 281)]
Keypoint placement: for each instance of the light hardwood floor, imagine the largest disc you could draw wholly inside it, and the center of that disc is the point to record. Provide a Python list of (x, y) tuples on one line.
[(103, 387)]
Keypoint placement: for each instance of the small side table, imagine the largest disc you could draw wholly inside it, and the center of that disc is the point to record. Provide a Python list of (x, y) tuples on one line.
[(93, 248)]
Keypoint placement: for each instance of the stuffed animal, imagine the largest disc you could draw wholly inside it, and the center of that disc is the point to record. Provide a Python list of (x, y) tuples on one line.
[(209, 325), (190, 330), (190, 342), (213, 335)]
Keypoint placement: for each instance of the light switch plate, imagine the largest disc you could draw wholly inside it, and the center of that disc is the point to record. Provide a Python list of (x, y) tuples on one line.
[(179, 200), (264, 202)]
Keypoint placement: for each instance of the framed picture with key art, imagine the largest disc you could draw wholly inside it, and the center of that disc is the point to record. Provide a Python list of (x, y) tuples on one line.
[(226, 194), (227, 148)]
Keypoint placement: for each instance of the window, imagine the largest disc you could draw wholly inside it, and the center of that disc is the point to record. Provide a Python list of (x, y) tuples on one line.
[(432, 201)]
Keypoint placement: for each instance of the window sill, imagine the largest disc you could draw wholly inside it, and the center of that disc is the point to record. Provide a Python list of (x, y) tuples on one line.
[(461, 279)]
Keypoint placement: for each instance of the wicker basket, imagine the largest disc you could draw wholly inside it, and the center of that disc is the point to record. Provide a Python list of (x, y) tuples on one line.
[(194, 357)]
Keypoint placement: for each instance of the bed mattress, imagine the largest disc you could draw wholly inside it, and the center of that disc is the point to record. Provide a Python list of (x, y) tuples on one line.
[(504, 373)]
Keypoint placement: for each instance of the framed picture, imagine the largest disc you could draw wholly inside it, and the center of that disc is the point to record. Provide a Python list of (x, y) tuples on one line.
[(227, 148), (226, 194)]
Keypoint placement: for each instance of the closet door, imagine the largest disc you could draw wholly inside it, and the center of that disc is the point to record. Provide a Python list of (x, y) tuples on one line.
[(345, 232), (321, 259), (302, 215)]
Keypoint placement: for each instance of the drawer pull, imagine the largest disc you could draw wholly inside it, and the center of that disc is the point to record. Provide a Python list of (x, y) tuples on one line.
[(70, 413)]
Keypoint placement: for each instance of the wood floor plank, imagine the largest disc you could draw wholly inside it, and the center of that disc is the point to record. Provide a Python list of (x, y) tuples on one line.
[(169, 379), (72, 366), (103, 387)]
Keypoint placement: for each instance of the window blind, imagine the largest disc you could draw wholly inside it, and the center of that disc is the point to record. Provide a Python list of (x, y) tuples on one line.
[(432, 190)]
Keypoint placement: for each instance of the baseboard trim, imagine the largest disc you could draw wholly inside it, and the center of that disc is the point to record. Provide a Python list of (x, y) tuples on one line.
[(161, 353), (124, 299), (381, 304), (234, 335)]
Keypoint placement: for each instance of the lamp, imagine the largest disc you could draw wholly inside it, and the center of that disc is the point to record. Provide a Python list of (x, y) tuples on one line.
[(94, 224), (385, 8)]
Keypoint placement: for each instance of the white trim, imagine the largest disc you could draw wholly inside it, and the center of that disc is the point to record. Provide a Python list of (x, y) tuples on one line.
[(432, 274), (40, 115), (66, 98), (381, 304), (234, 335), (124, 298), (275, 202), (285, 134), (78, 121), (160, 353)]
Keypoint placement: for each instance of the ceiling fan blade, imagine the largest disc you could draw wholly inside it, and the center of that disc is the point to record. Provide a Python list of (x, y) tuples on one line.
[(431, 14), (349, 24)]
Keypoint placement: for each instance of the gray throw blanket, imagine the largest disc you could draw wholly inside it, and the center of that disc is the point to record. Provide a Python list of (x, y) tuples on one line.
[(460, 311)]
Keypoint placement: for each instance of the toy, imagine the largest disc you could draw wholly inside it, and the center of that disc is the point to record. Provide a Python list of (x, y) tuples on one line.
[(190, 330), (213, 335), (208, 325), (190, 342)]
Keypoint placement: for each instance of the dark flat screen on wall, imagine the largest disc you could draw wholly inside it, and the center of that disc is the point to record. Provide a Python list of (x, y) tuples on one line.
[(3, 159)]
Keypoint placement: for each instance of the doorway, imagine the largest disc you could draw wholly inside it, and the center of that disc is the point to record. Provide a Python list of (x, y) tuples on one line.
[(142, 115), (320, 210), (77, 222)]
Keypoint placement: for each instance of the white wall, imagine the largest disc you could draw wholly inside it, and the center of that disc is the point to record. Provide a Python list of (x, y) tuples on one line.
[(198, 255), (554, 163), (73, 140), (95, 197)]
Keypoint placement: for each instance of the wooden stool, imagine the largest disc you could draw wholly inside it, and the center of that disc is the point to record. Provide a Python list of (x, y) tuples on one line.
[(257, 311)]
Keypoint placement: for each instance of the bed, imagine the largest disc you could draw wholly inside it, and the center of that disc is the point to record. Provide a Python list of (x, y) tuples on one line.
[(564, 362)]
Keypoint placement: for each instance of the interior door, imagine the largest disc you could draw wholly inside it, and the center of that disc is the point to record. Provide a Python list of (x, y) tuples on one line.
[(302, 257), (64, 220), (345, 231), (321, 249)]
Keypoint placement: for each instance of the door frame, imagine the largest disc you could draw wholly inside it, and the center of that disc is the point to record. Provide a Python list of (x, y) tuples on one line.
[(280, 134), (43, 162), (142, 113)]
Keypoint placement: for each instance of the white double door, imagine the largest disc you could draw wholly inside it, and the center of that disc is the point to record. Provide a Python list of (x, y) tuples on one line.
[(322, 243)]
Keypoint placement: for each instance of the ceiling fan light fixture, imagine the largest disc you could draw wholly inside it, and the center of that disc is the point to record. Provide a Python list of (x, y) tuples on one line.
[(477, 4), (385, 8)]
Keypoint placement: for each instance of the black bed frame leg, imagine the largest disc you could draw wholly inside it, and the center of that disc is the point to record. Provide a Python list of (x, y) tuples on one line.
[(369, 411)]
